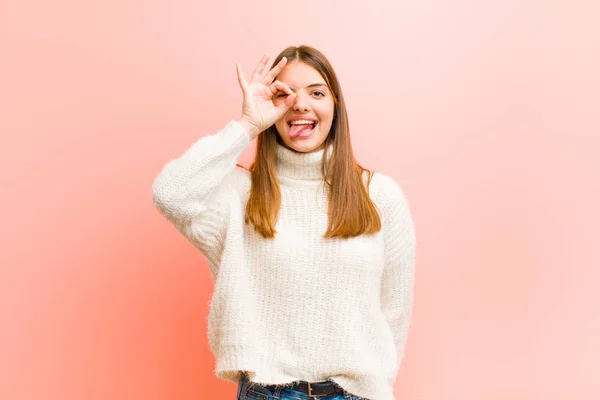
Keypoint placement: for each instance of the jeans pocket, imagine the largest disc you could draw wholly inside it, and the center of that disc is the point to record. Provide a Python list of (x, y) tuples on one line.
[(252, 391), (254, 395)]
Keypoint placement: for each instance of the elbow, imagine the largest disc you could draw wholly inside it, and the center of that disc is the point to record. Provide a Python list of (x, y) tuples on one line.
[(160, 192)]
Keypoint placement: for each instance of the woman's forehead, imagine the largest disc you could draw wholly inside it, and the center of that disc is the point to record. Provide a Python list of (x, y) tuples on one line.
[(299, 75)]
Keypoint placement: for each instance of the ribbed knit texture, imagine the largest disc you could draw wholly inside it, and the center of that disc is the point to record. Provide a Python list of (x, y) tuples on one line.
[(296, 307)]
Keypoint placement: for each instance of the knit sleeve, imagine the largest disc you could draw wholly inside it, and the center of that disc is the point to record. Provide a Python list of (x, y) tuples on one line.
[(196, 190), (399, 270)]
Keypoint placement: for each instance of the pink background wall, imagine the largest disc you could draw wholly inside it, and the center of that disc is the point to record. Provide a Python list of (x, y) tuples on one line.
[(485, 112)]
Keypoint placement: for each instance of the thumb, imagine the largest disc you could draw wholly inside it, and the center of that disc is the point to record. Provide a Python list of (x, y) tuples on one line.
[(283, 106), (289, 100)]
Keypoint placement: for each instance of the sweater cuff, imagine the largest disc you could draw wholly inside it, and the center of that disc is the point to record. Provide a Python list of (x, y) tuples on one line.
[(239, 128)]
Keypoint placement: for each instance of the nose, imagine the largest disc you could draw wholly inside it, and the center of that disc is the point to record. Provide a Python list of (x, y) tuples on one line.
[(301, 104)]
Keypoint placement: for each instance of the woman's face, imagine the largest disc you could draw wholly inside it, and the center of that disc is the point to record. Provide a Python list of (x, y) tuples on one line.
[(314, 103)]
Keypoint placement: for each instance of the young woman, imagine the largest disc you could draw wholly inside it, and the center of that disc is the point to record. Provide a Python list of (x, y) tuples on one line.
[(312, 256)]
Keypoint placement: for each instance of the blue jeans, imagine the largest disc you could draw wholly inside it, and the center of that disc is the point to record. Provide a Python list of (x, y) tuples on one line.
[(255, 391)]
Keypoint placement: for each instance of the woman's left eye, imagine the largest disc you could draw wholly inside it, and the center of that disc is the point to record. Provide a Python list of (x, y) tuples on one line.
[(321, 93)]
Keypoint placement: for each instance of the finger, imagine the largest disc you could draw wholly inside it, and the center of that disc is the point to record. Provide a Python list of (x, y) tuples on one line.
[(241, 77), (285, 105), (290, 100), (265, 69), (259, 68), (274, 71), (280, 86)]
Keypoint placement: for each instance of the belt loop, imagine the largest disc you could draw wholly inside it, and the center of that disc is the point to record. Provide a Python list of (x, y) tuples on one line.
[(241, 387), (276, 393)]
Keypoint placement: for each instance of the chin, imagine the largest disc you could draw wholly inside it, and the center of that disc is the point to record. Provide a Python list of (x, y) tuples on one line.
[(304, 147)]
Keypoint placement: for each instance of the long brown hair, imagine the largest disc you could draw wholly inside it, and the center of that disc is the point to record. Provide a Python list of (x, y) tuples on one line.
[(351, 211)]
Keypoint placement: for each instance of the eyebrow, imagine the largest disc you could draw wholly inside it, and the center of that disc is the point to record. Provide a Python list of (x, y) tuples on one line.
[(312, 85)]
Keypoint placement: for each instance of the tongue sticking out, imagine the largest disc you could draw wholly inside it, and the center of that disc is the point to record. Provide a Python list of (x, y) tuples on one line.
[(297, 130)]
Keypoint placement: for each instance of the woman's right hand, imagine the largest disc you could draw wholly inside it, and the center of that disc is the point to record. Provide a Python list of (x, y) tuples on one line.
[(258, 110)]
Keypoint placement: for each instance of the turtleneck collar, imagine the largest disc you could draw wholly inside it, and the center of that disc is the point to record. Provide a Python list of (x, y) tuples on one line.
[(295, 165)]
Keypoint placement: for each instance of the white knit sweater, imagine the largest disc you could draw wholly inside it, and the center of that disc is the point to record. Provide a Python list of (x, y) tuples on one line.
[(296, 307)]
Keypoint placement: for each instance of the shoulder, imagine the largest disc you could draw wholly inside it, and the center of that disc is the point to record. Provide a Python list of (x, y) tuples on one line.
[(390, 199), (239, 180), (240, 174), (385, 191), (235, 186)]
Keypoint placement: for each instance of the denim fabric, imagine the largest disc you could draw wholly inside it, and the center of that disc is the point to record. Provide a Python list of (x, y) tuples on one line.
[(253, 391)]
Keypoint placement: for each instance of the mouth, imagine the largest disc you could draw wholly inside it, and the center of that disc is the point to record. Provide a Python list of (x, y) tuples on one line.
[(302, 129)]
